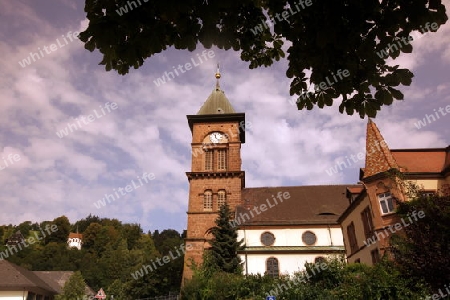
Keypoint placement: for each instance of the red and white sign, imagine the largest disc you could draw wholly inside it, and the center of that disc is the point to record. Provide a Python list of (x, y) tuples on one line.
[(100, 294)]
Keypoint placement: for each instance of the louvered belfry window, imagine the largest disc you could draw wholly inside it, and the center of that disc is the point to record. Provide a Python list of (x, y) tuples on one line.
[(222, 159), (209, 160)]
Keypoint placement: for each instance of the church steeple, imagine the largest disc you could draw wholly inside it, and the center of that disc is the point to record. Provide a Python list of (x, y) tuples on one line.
[(216, 176), (217, 102)]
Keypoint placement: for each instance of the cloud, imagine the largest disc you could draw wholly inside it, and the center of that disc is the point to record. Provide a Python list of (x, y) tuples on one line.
[(149, 131)]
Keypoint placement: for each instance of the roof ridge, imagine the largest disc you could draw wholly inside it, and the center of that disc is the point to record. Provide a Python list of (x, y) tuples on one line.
[(33, 279)]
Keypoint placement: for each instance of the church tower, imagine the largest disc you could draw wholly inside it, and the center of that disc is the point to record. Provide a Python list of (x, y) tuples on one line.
[(216, 176)]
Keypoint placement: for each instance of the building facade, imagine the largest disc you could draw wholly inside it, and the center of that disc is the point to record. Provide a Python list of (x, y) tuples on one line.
[(285, 227), (371, 211), (303, 224), (216, 176), (75, 240)]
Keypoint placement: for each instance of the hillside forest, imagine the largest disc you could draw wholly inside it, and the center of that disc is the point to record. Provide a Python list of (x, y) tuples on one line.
[(113, 255)]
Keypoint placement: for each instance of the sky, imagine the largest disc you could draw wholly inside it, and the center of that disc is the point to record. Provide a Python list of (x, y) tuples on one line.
[(128, 130)]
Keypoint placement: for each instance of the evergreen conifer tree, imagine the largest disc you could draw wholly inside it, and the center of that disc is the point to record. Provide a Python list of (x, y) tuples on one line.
[(224, 245)]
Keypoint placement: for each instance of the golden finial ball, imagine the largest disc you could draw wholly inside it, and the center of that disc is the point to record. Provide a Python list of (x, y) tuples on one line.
[(217, 75)]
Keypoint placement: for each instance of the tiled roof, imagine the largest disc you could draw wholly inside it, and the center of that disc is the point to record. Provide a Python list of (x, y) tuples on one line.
[(421, 160), (378, 156), (14, 277), (355, 190), (73, 235), (320, 204), (447, 159)]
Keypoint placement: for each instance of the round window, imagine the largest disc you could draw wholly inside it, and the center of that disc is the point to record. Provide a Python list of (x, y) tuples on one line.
[(309, 238), (267, 239)]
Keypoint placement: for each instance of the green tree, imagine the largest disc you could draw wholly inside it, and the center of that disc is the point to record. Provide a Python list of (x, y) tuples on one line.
[(112, 222), (131, 232), (92, 270), (224, 244), (332, 279), (2, 233), (62, 233), (116, 263), (83, 224), (325, 37), (117, 289), (90, 234), (166, 240), (422, 249), (107, 235), (74, 288), (24, 228)]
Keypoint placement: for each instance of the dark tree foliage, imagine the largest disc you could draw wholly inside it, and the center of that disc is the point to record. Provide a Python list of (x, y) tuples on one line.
[(224, 244), (169, 240), (166, 240), (82, 224), (111, 253), (323, 36), (334, 280), (423, 249), (24, 228), (62, 233), (90, 235), (133, 233)]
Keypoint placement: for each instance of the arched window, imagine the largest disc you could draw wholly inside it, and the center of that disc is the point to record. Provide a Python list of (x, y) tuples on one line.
[(272, 268), (207, 200), (221, 198), (208, 160), (222, 159)]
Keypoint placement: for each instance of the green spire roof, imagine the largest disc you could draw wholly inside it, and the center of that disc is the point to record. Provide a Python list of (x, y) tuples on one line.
[(217, 102)]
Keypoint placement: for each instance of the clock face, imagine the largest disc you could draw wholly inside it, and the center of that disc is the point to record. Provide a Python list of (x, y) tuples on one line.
[(216, 137)]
